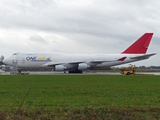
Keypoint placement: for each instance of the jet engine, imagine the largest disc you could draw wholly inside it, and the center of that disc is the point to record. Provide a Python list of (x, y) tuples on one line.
[(83, 66), (59, 68)]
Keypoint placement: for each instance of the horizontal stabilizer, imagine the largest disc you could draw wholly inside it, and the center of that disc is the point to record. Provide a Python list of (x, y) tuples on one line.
[(74, 63), (146, 56)]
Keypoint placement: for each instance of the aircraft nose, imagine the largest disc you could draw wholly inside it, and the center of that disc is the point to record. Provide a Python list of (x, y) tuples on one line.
[(7, 61)]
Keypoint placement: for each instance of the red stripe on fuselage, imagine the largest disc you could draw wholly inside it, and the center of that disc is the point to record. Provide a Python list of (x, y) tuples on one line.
[(122, 59)]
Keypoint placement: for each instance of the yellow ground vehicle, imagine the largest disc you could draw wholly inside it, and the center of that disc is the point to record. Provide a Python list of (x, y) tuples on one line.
[(128, 71)]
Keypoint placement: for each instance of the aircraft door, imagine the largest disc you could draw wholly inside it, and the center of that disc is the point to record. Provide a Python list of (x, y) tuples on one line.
[(23, 60)]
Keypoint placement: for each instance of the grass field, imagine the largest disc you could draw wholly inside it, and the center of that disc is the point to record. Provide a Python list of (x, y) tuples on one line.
[(79, 97)]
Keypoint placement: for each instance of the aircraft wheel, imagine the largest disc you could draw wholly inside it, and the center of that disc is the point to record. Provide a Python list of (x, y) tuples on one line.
[(128, 73), (75, 71)]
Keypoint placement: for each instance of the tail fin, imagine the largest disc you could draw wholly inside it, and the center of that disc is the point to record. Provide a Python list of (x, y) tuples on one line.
[(140, 46)]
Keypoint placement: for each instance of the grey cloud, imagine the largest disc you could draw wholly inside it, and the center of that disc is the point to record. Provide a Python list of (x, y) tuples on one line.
[(103, 25), (96, 19), (54, 41), (156, 40), (37, 39)]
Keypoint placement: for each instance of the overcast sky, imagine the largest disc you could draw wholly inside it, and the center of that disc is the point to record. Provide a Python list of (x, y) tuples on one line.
[(78, 26)]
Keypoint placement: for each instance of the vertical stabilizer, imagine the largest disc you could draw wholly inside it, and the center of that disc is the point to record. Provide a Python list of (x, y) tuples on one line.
[(140, 46)]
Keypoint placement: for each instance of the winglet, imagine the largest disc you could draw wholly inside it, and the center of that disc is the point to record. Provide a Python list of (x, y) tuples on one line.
[(140, 46)]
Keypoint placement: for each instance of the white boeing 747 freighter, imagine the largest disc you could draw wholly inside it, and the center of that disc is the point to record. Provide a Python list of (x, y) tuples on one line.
[(76, 63)]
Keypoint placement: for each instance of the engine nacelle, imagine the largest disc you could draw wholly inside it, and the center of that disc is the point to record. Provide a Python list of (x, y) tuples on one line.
[(83, 66), (59, 68)]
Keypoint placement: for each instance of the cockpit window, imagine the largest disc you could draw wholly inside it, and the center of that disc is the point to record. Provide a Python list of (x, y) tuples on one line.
[(15, 54)]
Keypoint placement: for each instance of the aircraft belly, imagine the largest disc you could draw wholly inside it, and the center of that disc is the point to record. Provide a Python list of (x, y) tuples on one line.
[(31, 65)]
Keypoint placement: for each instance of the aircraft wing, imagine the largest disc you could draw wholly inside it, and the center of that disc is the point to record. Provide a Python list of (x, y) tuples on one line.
[(146, 56), (99, 62), (75, 63), (59, 63)]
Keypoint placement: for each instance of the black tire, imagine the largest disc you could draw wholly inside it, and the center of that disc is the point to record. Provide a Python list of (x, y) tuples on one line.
[(128, 73), (75, 71)]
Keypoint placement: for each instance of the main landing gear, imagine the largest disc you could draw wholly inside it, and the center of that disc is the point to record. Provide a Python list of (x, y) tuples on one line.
[(75, 71)]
